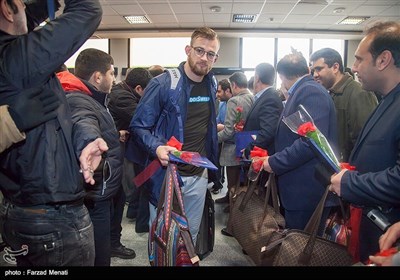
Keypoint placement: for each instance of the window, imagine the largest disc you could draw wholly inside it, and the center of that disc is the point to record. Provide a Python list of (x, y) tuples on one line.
[(101, 44), (258, 50), (335, 44), (285, 46), (167, 52)]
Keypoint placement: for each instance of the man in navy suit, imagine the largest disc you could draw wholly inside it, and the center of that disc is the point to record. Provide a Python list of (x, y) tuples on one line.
[(375, 185), (294, 161)]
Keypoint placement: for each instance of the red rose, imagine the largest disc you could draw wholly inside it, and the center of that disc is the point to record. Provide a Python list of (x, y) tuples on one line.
[(257, 165), (173, 142), (305, 128)]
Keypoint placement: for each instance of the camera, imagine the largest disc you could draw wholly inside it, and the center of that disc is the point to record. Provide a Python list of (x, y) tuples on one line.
[(378, 219), (38, 11)]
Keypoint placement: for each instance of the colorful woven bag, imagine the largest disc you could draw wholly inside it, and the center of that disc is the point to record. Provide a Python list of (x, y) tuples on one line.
[(170, 242)]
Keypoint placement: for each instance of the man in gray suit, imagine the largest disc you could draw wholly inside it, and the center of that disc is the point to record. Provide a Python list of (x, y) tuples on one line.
[(375, 184)]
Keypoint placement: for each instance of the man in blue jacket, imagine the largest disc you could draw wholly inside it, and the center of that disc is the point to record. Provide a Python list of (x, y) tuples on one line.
[(45, 221), (188, 113)]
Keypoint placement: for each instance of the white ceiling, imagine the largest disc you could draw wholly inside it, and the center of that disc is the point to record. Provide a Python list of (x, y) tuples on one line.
[(170, 18)]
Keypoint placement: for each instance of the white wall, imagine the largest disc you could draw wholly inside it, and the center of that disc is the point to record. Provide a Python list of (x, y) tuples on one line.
[(119, 49)]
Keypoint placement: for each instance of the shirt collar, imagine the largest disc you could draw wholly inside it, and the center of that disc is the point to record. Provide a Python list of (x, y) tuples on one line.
[(258, 94)]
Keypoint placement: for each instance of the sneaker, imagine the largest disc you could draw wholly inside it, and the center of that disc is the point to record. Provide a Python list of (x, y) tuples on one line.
[(224, 199), (122, 252), (225, 232), (141, 229), (216, 189)]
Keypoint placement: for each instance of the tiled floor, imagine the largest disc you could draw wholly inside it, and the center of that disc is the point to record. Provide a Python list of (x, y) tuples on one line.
[(227, 252)]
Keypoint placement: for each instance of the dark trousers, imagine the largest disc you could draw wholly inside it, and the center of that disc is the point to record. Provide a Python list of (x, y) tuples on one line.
[(100, 213), (117, 212), (141, 198), (52, 236)]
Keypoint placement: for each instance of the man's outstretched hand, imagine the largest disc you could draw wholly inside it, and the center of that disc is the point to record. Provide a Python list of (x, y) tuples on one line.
[(91, 157)]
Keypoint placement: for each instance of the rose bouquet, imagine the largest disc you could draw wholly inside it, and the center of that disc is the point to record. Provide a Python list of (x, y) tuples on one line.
[(193, 158), (257, 156), (239, 122), (302, 124)]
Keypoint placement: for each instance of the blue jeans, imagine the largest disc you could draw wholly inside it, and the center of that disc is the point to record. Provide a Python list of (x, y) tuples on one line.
[(194, 195), (47, 235)]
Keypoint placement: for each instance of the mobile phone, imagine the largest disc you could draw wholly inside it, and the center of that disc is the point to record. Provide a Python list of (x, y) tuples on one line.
[(378, 219)]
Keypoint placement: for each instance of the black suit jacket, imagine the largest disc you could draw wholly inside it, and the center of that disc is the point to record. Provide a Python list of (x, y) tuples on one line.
[(376, 181), (263, 117)]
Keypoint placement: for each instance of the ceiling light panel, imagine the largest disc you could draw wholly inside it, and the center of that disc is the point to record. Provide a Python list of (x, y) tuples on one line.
[(137, 19)]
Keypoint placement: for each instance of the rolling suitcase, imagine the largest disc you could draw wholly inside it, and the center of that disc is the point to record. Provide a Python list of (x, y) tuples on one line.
[(206, 235)]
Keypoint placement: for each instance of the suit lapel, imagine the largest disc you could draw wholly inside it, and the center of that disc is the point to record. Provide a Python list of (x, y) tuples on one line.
[(375, 116), (256, 103)]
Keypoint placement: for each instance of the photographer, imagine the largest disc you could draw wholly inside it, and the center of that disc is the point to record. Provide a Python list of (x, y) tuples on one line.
[(43, 210)]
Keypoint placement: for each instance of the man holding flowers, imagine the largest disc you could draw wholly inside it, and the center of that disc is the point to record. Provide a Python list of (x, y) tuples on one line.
[(375, 184), (294, 161)]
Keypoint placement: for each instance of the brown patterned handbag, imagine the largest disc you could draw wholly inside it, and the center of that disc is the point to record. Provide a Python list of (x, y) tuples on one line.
[(305, 248), (254, 222)]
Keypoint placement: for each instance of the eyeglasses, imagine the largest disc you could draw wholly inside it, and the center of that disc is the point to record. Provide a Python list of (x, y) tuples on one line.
[(211, 56)]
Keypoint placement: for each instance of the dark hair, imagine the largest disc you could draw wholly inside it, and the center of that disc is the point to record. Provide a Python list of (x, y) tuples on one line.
[(239, 79), (330, 57), (250, 83), (138, 76), (62, 68), (13, 6), (203, 32), (292, 66), (348, 70), (266, 73), (90, 61), (225, 84), (386, 36), (156, 70)]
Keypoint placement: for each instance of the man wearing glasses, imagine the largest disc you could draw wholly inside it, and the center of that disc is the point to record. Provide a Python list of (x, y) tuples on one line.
[(188, 113)]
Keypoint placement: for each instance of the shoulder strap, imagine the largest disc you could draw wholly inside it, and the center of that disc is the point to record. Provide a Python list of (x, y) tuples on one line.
[(174, 92), (175, 75)]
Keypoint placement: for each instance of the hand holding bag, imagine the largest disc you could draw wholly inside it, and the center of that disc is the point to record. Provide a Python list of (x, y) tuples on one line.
[(305, 248), (254, 222), (170, 242)]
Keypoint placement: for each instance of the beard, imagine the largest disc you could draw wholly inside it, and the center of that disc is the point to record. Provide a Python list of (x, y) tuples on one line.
[(200, 69)]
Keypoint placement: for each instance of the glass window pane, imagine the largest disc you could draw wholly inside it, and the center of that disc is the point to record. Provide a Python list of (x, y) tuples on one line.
[(101, 44), (257, 50), (285, 46), (335, 44), (168, 52)]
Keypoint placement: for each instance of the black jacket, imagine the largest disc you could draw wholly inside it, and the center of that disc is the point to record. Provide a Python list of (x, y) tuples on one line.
[(92, 120), (122, 104), (45, 165)]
